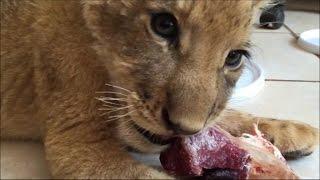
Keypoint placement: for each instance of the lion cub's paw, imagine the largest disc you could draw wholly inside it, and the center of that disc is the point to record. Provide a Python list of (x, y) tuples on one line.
[(292, 138)]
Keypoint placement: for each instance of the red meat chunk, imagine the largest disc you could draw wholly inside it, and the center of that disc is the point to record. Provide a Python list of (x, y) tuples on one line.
[(191, 155), (214, 152)]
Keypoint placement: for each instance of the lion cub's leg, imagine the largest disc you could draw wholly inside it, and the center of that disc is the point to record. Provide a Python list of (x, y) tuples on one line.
[(294, 139), (81, 151), (78, 146)]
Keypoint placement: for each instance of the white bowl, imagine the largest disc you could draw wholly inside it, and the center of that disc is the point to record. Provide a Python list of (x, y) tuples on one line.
[(250, 83), (309, 40)]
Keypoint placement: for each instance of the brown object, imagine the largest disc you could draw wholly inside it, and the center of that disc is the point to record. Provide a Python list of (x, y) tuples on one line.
[(304, 5)]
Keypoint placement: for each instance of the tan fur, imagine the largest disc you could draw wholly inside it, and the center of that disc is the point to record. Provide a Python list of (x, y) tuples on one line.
[(56, 56)]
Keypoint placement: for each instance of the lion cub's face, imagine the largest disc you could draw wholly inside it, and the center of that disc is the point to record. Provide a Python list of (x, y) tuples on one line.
[(178, 59)]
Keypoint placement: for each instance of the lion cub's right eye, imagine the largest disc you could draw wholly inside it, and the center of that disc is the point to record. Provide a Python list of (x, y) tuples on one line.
[(165, 25), (234, 59)]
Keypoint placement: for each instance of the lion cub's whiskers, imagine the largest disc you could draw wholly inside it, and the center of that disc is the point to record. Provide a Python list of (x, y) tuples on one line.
[(107, 105), (111, 92), (116, 117), (116, 104), (110, 102), (119, 116), (113, 99), (118, 87), (112, 108)]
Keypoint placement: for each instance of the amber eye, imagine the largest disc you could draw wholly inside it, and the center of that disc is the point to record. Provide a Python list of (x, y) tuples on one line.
[(235, 58), (165, 25)]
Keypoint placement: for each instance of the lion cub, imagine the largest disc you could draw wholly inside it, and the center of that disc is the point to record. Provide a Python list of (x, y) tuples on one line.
[(94, 78)]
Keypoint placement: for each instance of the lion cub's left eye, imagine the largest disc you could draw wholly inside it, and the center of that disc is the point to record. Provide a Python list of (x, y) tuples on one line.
[(165, 25), (234, 59)]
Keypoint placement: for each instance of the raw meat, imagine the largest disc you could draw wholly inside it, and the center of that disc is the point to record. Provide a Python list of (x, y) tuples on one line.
[(216, 153)]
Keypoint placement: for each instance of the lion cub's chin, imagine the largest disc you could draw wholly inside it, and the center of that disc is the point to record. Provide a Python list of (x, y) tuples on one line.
[(134, 140)]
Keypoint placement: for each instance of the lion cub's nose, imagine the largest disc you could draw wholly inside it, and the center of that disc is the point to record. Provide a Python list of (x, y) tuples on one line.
[(178, 128)]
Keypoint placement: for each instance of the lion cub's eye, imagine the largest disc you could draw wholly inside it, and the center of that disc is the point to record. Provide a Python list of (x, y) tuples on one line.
[(165, 25), (235, 58)]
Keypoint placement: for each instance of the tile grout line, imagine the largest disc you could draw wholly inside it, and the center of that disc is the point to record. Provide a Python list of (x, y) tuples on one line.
[(272, 32), (283, 80), (285, 26), (294, 34)]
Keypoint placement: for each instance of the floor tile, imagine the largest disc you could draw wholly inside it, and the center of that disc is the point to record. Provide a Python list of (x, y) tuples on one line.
[(281, 58), (285, 100), (300, 21), (307, 167)]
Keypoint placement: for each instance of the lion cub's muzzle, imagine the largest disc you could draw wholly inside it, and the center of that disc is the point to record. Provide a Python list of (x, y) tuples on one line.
[(177, 128), (153, 138)]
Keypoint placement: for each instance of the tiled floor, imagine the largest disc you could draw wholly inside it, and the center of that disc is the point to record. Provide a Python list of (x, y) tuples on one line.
[(282, 59), (291, 92), (301, 21), (286, 100)]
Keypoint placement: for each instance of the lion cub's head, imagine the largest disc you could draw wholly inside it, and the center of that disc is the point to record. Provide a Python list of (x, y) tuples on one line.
[(172, 64)]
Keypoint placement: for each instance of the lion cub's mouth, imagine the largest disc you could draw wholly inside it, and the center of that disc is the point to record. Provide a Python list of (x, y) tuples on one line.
[(151, 137)]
